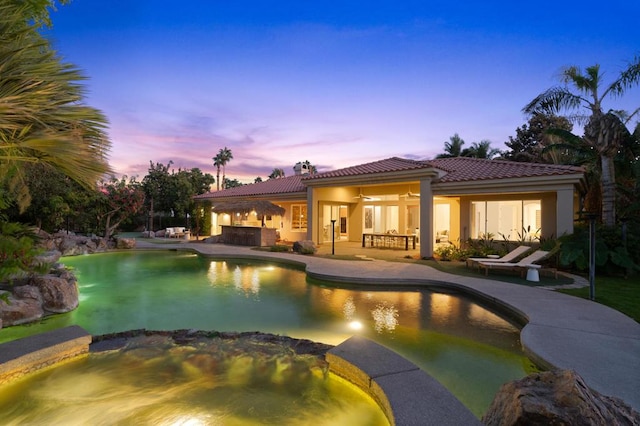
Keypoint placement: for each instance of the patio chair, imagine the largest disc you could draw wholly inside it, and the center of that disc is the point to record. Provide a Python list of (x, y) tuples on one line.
[(528, 262), (512, 255)]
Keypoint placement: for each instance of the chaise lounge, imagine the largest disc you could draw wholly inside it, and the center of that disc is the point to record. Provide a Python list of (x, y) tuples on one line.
[(512, 255), (526, 263)]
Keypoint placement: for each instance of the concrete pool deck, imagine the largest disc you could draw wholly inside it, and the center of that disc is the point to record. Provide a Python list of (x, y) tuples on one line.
[(559, 331)]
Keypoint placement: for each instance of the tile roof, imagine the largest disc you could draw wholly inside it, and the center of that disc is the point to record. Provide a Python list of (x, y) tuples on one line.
[(393, 164), (465, 169), (285, 185), (458, 169)]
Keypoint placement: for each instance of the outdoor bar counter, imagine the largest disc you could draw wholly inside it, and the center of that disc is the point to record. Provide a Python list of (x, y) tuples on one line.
[(248, 235)]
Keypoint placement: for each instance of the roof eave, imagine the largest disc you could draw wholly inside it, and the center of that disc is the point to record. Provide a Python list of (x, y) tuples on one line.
[(374, 178), (512, 185), (284, 196)]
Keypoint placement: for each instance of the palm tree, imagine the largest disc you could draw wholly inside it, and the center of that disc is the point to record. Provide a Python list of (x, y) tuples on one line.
[(453, 148), (481, 149), (42, 117), (604, 132), (225, 155), (217, 161), (276, 174)]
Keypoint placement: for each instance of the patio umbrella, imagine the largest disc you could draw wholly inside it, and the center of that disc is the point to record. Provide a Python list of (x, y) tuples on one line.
[(261, 207)]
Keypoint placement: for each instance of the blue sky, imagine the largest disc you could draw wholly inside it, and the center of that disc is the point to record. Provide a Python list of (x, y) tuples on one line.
[(337, 83)]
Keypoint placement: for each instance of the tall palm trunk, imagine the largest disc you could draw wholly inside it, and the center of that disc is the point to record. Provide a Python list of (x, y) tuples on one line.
[(224, 178), (608, 180), (607, 132)]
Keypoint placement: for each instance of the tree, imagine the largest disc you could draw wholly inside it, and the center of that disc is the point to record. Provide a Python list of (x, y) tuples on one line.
[(156, 188), (453, 148), (221, 160), (217, 162), (532, 139), (121, 200), (38, 11), (42, 121), (276, 174), (481, 149), (258, 179), (172, 192), (604, 132), (49, 191), (231, 183), (42, 117), (185, 184)]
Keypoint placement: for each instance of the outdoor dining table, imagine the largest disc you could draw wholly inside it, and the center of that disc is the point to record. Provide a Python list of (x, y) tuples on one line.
[(388, 240)]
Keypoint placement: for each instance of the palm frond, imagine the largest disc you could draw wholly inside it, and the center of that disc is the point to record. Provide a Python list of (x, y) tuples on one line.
[(630, 77), (553, 101)]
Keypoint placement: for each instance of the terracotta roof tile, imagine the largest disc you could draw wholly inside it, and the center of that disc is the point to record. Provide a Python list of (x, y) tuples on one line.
[(394, 164), (458, 169), (284, 185), (463, 169)]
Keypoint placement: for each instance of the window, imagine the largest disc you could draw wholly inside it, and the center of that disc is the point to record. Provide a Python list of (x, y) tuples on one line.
[(511, 220), (299, 217)]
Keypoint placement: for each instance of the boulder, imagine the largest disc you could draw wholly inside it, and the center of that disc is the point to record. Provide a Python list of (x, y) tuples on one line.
[(48, 257), (28, 292), (126, 243), (558, 397), (69, 244), (59, 294), (15, 311), (304, 247)]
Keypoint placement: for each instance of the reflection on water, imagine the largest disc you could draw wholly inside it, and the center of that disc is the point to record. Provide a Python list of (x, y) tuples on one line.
[(385, 318), (469, 349), (213, 381)]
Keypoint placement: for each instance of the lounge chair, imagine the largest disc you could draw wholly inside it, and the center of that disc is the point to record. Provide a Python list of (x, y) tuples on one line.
[(521, 266), (512, 255)]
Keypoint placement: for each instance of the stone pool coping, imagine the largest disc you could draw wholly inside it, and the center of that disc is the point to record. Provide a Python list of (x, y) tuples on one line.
[(406, 394), (560, 331), (33, 353)]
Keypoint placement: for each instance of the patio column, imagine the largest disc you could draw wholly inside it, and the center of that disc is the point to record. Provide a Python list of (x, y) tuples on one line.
[(312, 226), (564, 212), (426, 219)]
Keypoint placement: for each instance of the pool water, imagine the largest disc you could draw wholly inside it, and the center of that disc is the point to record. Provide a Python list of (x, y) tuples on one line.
[(213, 381), (468, 348)]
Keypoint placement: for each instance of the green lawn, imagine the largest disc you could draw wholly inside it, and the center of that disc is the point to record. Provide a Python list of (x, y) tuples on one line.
[(617, 293)]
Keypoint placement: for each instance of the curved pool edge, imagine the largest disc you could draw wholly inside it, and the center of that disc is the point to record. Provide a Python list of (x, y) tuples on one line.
[(558, 330), (404, 393)]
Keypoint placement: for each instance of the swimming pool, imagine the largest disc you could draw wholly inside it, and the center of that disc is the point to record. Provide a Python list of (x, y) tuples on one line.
[(468, 348)]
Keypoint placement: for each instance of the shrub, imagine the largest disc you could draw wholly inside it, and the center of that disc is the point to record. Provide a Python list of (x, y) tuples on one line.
[(18, 250), (279, 248), (612, 255)]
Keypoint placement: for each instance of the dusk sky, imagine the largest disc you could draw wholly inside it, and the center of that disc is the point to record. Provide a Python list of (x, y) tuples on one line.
[(337, 83)]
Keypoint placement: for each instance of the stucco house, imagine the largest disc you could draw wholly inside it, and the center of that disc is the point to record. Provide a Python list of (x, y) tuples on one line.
[(448, 199)]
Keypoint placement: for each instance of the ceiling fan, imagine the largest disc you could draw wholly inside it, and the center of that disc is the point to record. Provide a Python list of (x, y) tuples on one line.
[(411, 195), (361, 196)]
